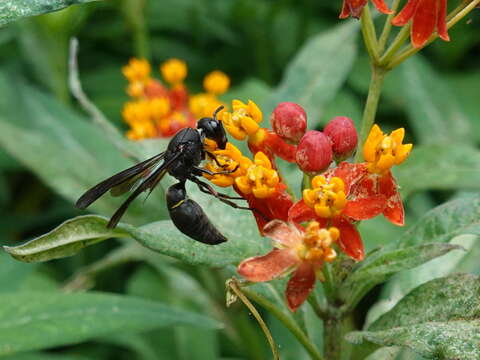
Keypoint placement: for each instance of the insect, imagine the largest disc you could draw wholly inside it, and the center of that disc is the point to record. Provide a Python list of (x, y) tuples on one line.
[(181, 160)]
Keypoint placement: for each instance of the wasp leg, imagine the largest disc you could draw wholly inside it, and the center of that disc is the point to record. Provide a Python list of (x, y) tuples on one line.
[(204, 187), (200, 171), (214, 157), (207, 189)]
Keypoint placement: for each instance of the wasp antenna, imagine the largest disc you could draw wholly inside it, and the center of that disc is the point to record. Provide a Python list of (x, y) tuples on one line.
[(220, 108)]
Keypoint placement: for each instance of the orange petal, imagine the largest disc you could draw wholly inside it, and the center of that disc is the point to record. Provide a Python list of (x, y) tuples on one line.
[(442, 21), (300, 285), (366, 208), (345, 11), (282, 233), (393, 211), (382, 7), (424, 22), (300, 212), (351, 174), (406, 14), (350, 241), (269, 266)]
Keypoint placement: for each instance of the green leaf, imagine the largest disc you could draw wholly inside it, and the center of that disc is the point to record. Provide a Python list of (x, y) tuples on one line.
[(65, 240), (382, 264), (162, 237), (440, 319), (444, 222), (318, 71), (12, 10), (439, 167), (32, 321), (434, 114)]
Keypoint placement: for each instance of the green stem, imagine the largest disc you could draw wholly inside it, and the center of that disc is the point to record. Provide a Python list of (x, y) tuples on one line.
[(287, 321), (410, 50), (397, 43), (335, 328), (370, 111), (369, 35), (328, 284), (387, 27)]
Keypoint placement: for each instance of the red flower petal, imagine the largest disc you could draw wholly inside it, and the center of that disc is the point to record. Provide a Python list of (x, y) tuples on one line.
[(424, 22), (406, 14), (269, 266), (345, 11), (350, 241), (382, 7), (300, 285), (351, 174), (300, 212), (279, 203), (442, 21), (282, 233), (394, 207), (366, 208)]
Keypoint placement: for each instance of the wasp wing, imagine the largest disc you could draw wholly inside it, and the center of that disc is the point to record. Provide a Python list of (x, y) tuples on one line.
[(122, 181), (149, 183)]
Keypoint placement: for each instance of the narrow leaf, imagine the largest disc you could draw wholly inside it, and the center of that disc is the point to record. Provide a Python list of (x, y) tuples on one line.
[(12, 10), (30, 321)]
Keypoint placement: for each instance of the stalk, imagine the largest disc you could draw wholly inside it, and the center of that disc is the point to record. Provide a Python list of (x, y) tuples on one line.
[(387, 27)]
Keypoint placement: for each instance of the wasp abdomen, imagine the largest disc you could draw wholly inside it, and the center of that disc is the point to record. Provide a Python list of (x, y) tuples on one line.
[(189, 217)]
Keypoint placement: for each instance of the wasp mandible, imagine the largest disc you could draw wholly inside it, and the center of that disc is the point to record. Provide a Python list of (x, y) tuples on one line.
[(184, 153)]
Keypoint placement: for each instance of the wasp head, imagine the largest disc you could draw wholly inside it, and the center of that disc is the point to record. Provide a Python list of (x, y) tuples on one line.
[(213, 129)]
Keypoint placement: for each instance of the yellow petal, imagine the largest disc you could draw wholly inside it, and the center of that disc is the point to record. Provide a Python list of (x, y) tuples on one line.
[(338, 183), (243, 184), (262, 160), (402, 153), (341, 200), (318, 181), (263, 192), (222, 180), (309, 197), (386, 162), (398, 136), (322, 211), (249, 125), (255, 111), (237, 104), (334, 233), (236, 132), (373, 139)]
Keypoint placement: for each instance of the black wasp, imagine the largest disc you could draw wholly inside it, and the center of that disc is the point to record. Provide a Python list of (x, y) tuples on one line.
[(181, 160)]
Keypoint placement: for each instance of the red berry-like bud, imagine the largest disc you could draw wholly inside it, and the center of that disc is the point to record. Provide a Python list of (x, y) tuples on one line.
[(343, 135), (289, 121), (154, 89), (314, 152)]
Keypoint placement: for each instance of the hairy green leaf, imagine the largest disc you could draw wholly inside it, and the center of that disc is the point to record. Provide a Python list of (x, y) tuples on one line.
[(32, 321), (439, 167), (65, 240), (440, 319), (384, 263), (317, 72), (12, 10)]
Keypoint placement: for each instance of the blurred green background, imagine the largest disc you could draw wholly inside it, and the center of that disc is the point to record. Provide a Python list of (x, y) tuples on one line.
[(434, 96)]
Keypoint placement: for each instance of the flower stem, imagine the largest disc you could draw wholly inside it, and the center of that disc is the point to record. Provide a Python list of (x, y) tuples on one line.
[(287, 321), (369, 34), (410, 50), (376, 82), (387, 27), (397, 43), (335, 328)]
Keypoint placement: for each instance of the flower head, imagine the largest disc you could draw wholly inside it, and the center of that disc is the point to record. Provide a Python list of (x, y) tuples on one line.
[(174, 71), (354, 8), (328, 199), (260, 179), (243, 120), (216, 82), (426, 16), (299, 250), (137, 70), (382, 151)]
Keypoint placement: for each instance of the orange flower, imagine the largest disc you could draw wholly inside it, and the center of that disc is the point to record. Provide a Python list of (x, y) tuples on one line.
[(297, 249), (354, 8), (427, 15)]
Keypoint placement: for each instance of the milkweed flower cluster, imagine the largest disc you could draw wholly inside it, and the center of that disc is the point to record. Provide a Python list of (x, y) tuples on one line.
[(160, 109), (307, 232)]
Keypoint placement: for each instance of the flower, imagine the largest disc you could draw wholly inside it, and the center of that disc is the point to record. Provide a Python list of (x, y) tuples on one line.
[(426, 15), (243, 120), (381, 152), (331, 203), (302, 251), (160, 111), (314, 152), (343, 135), (354, 8), (289, 121), (271, 144)]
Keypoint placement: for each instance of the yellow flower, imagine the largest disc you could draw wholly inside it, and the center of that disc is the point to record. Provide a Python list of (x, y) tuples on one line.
[(260, 180), (228, 159), (244, 119), (216, 82), (142, 130), (137, 70), (136, 111), (382, 151), (203, 105), (159, 107), (327, 198), (317, 242), (174, 71)]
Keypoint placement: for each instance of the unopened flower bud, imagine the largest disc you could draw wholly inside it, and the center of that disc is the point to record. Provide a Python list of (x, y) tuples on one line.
[(314, 152), (343, 136), (289, 121)]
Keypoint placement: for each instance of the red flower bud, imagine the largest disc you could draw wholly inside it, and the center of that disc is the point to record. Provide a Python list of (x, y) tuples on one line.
[(289, 121), (314, 152), (154, 89), (343, 135)]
